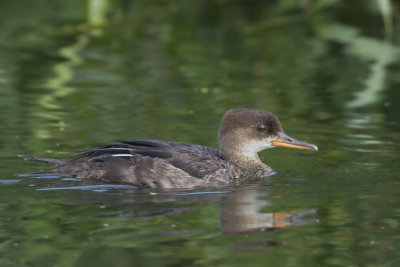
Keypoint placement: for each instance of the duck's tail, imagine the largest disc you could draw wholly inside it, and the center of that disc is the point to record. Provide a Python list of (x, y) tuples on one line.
[(47, 160)]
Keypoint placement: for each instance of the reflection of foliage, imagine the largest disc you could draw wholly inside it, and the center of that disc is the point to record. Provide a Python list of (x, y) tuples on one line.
[(380, 53), (145, 51)]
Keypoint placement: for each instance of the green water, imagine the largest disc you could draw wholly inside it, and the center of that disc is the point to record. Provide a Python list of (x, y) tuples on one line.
[(75, 74)]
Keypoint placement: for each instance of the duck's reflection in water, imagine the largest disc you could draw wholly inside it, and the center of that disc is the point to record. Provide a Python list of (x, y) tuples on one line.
[(243, 210), (242, 213)]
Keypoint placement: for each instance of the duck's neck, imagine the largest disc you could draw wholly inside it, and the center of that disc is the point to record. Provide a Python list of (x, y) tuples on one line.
[(249, 162)]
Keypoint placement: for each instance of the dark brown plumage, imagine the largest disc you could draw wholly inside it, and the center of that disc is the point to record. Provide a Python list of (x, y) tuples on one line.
[(162, 164)]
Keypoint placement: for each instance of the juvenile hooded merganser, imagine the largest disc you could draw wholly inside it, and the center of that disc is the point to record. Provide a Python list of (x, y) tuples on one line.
[(160, 164)]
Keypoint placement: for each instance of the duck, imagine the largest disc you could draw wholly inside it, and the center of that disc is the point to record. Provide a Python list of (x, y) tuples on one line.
[(164, 164)]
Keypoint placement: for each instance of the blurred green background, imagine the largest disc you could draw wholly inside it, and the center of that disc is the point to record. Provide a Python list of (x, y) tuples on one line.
[(104, 68)]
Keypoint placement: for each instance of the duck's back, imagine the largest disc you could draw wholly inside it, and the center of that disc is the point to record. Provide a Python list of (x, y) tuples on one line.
[(153, 163)]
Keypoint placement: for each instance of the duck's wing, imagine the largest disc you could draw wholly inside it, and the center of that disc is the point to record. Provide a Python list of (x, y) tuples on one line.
[(126, 149), (195, 160)]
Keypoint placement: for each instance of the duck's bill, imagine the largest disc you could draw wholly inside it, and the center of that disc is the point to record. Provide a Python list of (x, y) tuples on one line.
[(286, 141)]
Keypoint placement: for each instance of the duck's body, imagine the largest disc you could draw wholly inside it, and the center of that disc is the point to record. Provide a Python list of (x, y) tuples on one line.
[(158, 163), (161, 164)]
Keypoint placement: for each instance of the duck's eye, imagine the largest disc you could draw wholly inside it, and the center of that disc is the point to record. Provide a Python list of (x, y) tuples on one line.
[(261, 127)]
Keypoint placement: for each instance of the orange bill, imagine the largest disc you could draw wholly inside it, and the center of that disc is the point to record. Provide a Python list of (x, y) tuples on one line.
[(286, 141)]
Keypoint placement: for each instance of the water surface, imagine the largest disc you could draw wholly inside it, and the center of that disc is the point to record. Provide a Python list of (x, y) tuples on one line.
[(81, 76)]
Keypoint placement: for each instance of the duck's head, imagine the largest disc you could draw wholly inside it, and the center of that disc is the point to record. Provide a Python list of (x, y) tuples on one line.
[(246, 132)]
